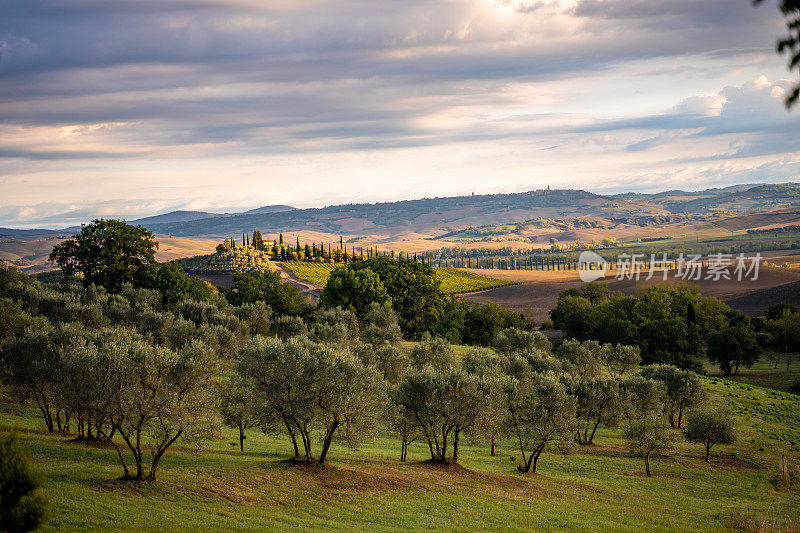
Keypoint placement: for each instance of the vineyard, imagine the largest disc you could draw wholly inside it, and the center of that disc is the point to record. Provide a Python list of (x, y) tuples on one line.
[(242, 259), (456, 281), (452, 280)]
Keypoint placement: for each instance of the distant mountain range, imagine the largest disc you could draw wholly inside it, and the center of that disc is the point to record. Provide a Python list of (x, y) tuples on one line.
[(437, 216)]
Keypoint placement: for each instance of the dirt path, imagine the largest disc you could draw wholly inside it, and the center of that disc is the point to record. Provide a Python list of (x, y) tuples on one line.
[(307, 289)]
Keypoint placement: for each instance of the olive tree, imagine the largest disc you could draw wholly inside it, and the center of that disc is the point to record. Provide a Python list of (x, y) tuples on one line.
[(493, 377), (240, 408), (30, 366), (514, 340), (443, 404), (709, 427), (643, 396), (337, 326), (163, 396), (433, 351), (314, 389), (256, 315), (580, 359), (286, 327), (647, 435), (382, 327), (599, 401), (620, 360), (541, 414), (388, 359), (405, 427), (683, 389)]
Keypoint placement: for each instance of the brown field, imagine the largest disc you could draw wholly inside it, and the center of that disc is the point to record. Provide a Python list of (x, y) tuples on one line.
[(170, 248), (538, 293)]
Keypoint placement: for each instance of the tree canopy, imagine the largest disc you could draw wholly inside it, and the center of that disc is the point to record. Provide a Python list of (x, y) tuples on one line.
[(108, 253)]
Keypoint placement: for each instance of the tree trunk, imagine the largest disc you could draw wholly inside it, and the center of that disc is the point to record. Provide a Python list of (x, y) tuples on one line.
[(403, 445), (326, 443), (647, 463), (594, 430), (294, 443), (159, 454), (708, 451), (493, 447), (536, 460), (241, 438), (45, 409), (455, 445)]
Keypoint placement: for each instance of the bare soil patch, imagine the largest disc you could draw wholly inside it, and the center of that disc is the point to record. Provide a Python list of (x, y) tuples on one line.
[(538, 293)]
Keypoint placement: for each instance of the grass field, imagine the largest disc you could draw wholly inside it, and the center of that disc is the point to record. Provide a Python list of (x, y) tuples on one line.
[(597, 488), (452, 280), (764, 374)]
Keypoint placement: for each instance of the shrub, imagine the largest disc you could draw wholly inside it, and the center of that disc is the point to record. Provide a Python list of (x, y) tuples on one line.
[(22, 506)]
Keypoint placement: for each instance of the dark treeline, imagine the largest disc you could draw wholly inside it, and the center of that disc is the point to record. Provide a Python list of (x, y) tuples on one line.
[(670, 324)]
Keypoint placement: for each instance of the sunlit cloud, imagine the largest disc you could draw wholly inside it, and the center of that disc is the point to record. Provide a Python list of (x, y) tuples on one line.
[(134, 107)]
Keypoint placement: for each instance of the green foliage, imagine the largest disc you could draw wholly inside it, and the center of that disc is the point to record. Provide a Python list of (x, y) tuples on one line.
[(14, 321), (682, 390), (108, 253), (120, 383), (240, 409), (733, 347), (22, 506), (256, 315), (541, 414), (228, 260), (10, 274), (515, 340), (282, 298), (451, 280), (431, 351), (314, 388), (599, 401), (581, 359), (175, 285), (670, 324), (709, 427), (484, 322), (443, 403), (286, 327), (382, 327), (337, 326), (414, 290), (647, 435), (354, 289)]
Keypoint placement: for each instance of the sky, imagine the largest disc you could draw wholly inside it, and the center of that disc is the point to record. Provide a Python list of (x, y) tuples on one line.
[(128, 108)]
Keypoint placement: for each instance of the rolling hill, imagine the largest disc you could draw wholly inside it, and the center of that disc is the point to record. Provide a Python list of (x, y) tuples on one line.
[(436, 216)]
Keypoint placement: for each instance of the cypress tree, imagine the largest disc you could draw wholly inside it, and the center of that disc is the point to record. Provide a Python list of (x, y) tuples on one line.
[(298, 245), (280, 239)]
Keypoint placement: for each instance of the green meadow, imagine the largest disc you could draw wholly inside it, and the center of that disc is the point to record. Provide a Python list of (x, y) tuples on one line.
[(599, 487)]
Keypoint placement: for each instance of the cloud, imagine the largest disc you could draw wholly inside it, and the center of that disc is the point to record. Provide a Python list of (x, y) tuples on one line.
[(176, 99)]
